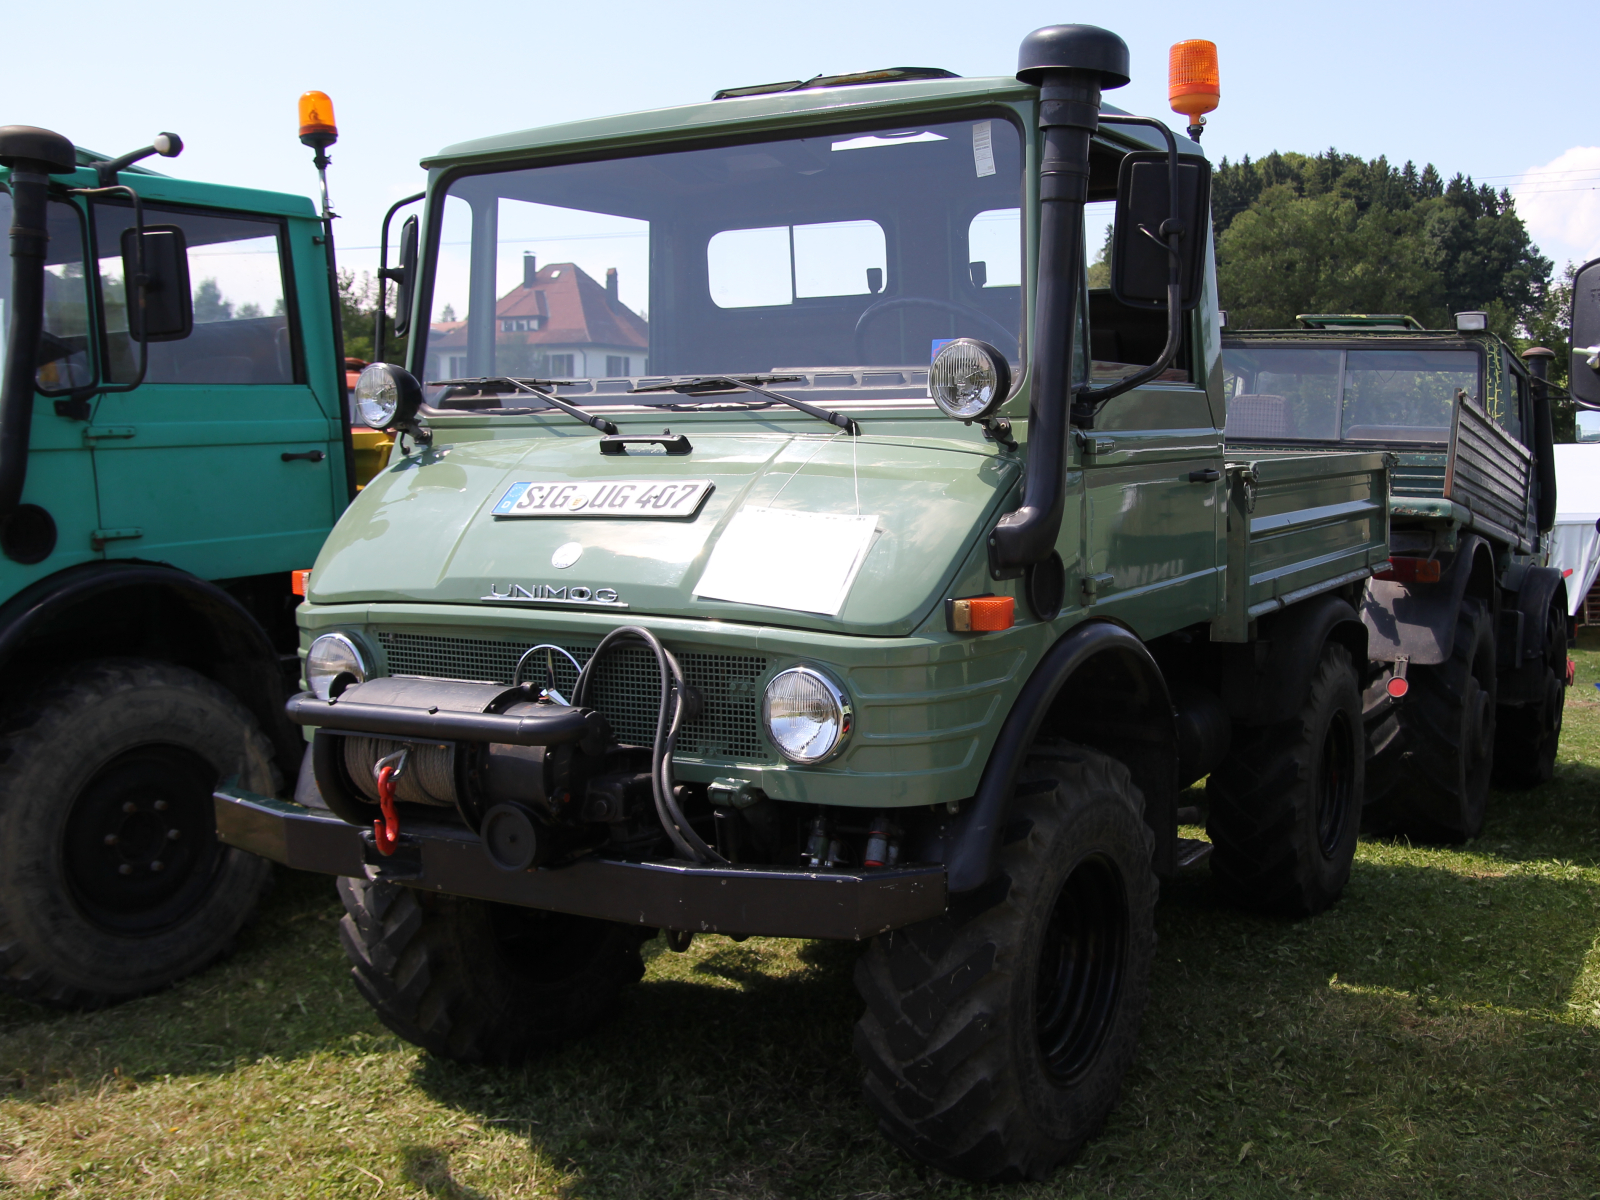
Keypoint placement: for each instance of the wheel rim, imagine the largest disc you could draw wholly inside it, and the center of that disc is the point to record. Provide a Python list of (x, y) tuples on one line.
[(1081, 967), (141, 846), (1334, 784)]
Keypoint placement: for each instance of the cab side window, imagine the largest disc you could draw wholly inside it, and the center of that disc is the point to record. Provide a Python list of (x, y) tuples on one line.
[(236, 277), (63, 361)]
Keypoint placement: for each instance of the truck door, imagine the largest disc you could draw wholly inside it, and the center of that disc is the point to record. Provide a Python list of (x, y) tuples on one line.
[(1151, 513), (222, 462)]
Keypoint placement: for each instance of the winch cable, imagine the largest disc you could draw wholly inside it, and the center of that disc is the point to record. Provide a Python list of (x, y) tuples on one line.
[(669, 720)]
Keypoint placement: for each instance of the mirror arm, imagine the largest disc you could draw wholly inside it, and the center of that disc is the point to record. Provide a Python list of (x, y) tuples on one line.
[(1087, 400), (386, 273), (140, 284)]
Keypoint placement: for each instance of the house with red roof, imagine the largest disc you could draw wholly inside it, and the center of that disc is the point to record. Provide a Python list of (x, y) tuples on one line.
[(558, 323)]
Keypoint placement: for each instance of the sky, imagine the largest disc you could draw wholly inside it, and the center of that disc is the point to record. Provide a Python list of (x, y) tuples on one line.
[(1506, 96)]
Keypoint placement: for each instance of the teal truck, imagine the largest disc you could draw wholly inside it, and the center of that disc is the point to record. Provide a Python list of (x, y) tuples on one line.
[(1473, 629), (172, 447), (782, 538)]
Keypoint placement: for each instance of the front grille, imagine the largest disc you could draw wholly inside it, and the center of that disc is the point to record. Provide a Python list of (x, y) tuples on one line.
[(627, 687)]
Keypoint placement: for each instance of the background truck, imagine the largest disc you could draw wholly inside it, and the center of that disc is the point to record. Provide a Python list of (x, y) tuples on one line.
[(172, 446), (839, 567), (1474, 626)]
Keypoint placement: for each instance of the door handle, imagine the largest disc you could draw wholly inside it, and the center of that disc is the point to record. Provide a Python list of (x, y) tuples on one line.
[(308, 455), (1209, 475)]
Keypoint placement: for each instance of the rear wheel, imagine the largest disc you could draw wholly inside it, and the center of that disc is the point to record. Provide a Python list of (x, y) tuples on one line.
[(112, 881), (480, 982), (1449, 722), (996, 1036), (1528, 735), (1284, 808)]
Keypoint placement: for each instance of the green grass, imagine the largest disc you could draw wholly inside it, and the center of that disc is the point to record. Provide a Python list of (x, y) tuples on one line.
[(1436, 1033)]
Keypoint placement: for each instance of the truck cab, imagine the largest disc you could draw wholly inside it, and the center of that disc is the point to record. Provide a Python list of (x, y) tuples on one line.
[(172, 447)]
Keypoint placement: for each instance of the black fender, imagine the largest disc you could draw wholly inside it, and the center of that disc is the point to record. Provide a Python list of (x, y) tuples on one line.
[(1117, 702), (1523, 647), (1417, 621), (148, 610), (1265, 680)]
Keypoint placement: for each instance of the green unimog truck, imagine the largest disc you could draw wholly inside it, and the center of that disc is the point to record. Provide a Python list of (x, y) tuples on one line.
[(172, 446), (1474, 626), (841, 567)]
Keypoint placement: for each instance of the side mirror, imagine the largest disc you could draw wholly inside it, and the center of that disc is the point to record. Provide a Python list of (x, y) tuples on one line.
[(1139, 264), (168, 304), (405, 277), (1585, 363)]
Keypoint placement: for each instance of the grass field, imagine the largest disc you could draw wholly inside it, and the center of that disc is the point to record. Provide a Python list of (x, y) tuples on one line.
[(1437, 1033)]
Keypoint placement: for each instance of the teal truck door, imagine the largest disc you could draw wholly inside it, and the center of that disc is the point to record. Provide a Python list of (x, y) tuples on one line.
[(225, 419)]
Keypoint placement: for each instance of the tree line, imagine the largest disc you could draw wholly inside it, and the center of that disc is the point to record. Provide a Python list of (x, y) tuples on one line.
[(1332, 232)]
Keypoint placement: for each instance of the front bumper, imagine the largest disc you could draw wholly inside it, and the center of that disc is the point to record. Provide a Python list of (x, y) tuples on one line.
[(772, 901)]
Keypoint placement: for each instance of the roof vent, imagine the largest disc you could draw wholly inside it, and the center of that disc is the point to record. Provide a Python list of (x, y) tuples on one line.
[(886, 75)]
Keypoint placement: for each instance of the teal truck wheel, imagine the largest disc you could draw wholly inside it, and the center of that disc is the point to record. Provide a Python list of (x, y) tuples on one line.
[(167, 460), (735, 575)]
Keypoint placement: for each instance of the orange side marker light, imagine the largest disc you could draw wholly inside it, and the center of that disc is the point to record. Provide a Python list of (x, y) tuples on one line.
[(299, 581), (981, 614)]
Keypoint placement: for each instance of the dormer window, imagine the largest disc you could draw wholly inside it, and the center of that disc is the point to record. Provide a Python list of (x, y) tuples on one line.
[(521, 324)]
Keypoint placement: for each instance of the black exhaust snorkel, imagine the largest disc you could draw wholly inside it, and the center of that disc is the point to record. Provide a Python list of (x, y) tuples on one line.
[(1070, 64), (33, 156)]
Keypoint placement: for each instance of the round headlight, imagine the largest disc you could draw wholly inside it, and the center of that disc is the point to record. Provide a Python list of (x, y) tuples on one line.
[(807, 716), (386, 394), (969, 379), (330, 656)]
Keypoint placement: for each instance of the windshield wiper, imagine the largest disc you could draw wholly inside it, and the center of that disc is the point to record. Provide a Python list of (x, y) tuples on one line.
[(484, 383), (727, 383)]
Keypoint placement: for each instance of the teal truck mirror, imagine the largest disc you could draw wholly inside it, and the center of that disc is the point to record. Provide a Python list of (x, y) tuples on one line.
[(1586, 334), (168, 303), (1139, 262)]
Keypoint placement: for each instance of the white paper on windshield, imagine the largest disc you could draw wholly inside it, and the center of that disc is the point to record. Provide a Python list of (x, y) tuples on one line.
[(983, 147), (782, 558)]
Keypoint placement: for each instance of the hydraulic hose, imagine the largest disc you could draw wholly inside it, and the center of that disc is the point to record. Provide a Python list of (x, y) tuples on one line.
[(669, 720), (30, 236)]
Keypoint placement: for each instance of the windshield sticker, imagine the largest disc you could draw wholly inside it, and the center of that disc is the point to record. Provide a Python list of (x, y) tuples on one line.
[(983, 147), (782, 558)]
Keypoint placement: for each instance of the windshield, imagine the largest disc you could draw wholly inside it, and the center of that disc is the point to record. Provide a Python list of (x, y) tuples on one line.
[(1302, 393), (845, 259)]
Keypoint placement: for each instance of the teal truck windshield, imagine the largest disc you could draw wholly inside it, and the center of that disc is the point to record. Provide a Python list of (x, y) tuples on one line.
[(856, 249), (1300, 393)]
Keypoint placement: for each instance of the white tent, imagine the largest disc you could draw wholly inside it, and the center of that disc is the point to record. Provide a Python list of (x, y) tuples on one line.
[(1575, 541)]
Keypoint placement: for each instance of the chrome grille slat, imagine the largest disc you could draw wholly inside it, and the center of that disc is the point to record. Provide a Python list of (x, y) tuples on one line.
[(626, 690)]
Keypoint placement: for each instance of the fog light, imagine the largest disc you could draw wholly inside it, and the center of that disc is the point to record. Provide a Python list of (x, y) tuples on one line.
[(969, 379), (807, 716), (1472, 322), (330, 656)]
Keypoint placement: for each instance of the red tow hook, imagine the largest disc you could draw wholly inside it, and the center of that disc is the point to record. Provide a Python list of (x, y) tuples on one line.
[(386, 833)]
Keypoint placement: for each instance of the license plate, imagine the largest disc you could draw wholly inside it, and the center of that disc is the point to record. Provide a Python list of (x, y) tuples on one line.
[(603, 498)]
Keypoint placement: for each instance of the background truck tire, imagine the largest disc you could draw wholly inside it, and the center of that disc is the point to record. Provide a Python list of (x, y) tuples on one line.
[(112, 881), (1527, 735), (996, 1035), (1449, 723), (1284, 808), (480, 982)]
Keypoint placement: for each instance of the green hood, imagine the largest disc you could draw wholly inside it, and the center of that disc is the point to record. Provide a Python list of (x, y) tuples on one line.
[(423, 531)]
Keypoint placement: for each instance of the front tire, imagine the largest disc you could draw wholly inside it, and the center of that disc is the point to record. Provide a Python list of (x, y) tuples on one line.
[(112, 881), (1528, 735), (996, 1035), (1284, 808), (480, 982)]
